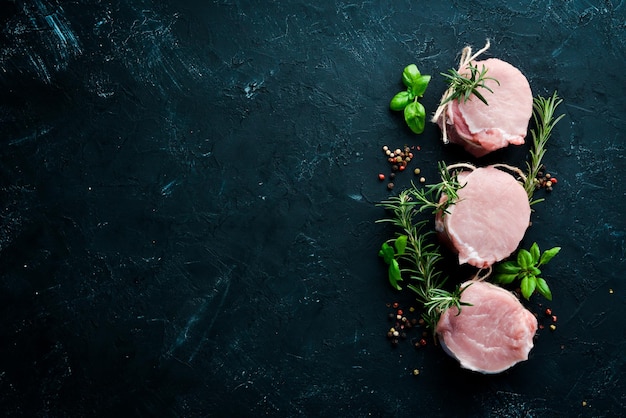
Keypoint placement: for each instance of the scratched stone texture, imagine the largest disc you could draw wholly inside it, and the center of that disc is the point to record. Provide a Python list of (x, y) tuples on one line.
[(188, 202)]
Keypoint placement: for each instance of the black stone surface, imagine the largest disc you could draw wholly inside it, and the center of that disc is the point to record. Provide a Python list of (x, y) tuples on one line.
[(188, 189)]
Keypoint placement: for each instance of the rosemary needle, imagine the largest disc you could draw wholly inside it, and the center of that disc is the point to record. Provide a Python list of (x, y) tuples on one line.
[(463, 87)]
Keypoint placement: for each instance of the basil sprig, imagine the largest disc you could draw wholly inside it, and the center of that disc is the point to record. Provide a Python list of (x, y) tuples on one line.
[(406, 101), (390, 255), (526, 269)]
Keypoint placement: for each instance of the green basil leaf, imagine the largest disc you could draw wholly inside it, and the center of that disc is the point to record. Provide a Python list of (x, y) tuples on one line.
[(508, 267), (527, 286), (549, 255), (386, 252), (419, 86), (534, 251), (394, 275), (399, 101), (505, 278), (534, 271), (524, 259), (542, 287), (410, 75), (400, 244), (415, 117)]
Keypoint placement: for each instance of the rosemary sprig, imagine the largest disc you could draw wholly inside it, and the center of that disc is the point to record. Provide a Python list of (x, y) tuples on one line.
[(418, 257), (543, 115), (429, 197), (461, 87)]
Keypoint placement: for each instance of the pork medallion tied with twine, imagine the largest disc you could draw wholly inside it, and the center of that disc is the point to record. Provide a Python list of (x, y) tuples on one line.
[(490, 334), (489, 216), (485, 127)]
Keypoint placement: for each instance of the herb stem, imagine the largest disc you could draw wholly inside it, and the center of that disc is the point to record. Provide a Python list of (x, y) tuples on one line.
[(543, 115), (421, 256)]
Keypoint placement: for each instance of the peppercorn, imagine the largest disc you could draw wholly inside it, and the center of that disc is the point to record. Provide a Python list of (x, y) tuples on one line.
[(381, 177), (402, 167), (395, 305), (422, 342), (548, 183), (394, 167), (390, 186), (422, 180), (417, 171), (415, 372), (392, 176), (552, 327), (548, 311), (385, 148)]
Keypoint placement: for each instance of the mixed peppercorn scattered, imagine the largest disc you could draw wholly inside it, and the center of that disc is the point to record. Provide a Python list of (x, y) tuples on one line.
[(404, 323), (399, 160), (545, 180), (551, 318)]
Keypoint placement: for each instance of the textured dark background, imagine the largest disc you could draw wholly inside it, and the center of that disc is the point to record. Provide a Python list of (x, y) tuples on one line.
[(188, 196)]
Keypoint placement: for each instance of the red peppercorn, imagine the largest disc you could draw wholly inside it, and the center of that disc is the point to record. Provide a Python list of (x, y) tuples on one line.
[(422, 342), (553, 318), (381, 177), (400, 312), (395, 305), (402, 167), (554, 180), (548, 311)]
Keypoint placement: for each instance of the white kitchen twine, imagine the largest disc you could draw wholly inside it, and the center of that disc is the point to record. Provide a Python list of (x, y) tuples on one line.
[(466, 58)]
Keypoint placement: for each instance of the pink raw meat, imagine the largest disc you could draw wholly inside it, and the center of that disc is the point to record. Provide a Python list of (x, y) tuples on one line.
[(489, 219), (482, 128), (490, 336)]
